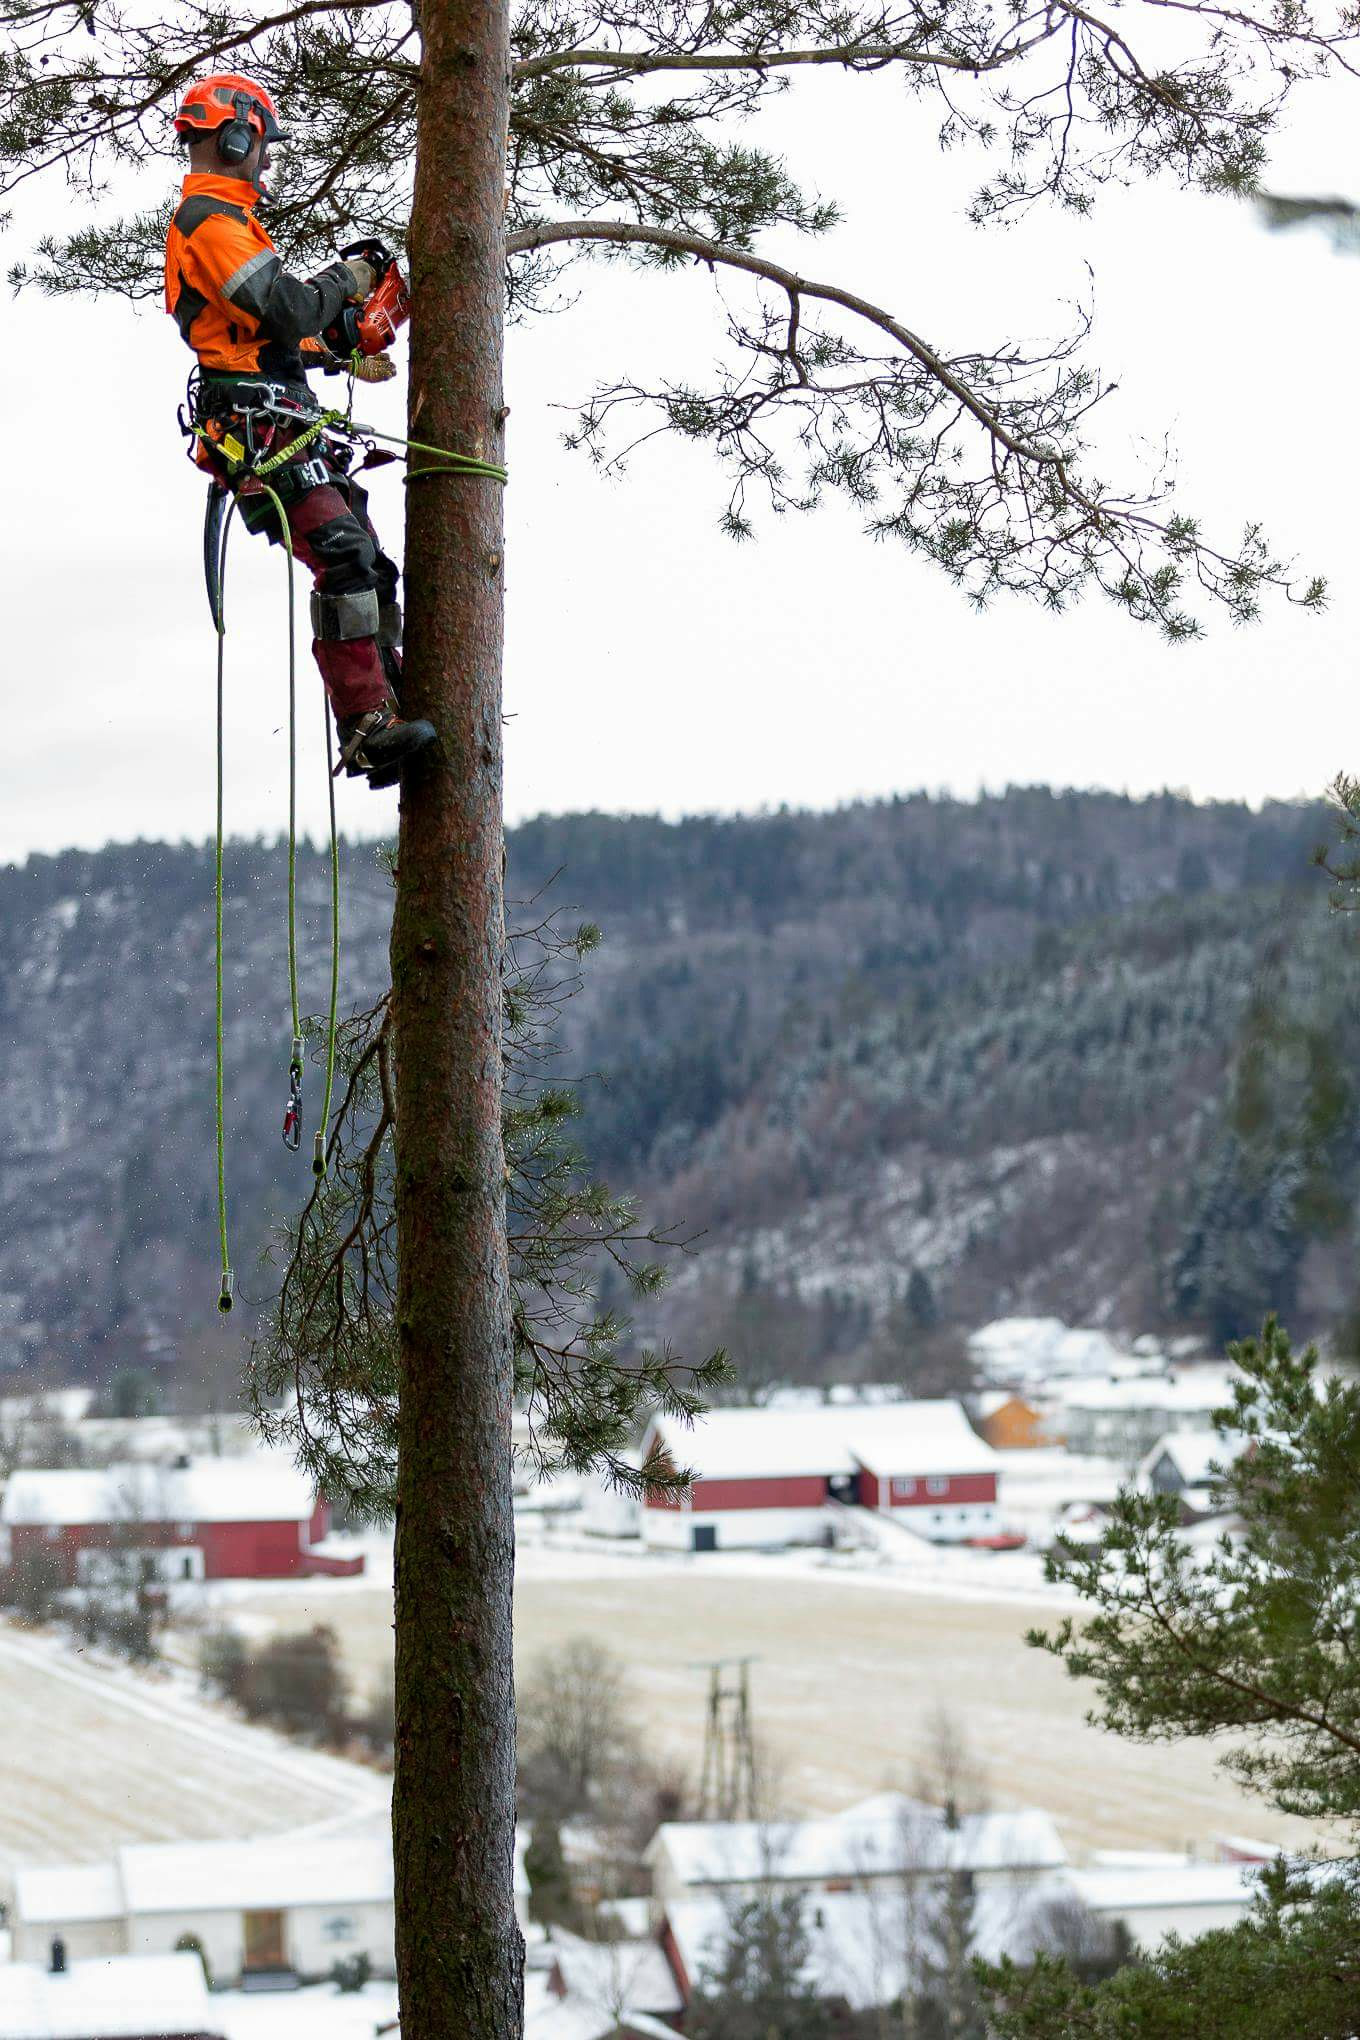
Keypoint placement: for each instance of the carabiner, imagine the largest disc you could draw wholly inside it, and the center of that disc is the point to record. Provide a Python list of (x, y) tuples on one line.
[(292, 1118)]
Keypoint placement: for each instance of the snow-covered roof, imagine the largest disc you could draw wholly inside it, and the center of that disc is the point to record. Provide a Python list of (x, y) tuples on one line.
[(609, 1974), (632, 1916), (1132, 1886), (1034, 1348), (1193, 1454), (267, 1872), (990, 1400), (732, 1444), (1201, 1389), (548, 2017), (347, 1866), (105, 1998), (920, 1437), (313, 2012), (889, 1438), (259, 1487), (1017, 1335), (1246, 1849), (68, 1894), (812, 1851)]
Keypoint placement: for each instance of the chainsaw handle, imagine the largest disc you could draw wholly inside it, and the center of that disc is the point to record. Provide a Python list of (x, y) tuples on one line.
[(375, 253)]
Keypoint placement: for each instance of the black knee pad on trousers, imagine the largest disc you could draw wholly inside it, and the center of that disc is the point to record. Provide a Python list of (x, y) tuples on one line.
[(347, 554)]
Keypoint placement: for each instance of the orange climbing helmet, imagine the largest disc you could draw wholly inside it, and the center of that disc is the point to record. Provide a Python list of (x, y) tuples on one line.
[(234, 109)]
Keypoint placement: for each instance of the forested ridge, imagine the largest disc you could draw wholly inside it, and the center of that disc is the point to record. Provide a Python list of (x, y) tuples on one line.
[(1060, 1052)]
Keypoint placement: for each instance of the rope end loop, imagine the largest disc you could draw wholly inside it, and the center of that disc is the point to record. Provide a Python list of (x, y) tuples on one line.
[(318, 1154), (224, 1301)]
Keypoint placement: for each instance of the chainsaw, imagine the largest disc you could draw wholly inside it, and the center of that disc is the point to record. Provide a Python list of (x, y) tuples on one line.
[(363, 333), (371, 327)]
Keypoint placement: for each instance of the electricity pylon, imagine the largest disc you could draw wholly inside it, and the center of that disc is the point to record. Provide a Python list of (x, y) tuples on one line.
[(727, 1789)]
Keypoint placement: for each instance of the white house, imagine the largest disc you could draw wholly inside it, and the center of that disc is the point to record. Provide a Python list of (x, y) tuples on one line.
[(1182, 1464), (1124, 1419), (765, 1477), (1029, 1352), (112, 1997), (878, 1843), (274, 1903), (1155, 1895), (866, 1947), (281, 1904)]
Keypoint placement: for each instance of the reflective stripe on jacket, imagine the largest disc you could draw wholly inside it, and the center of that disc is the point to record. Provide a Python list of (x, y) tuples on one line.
[(234, 302)]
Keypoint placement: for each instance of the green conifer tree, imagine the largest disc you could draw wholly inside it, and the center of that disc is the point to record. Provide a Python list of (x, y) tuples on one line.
[(1253, 1647)]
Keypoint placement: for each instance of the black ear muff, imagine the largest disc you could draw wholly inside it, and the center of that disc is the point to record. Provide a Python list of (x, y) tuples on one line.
[(236, 138)]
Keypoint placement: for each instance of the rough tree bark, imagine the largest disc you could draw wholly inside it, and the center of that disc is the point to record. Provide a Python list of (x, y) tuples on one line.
[(459, 1952)]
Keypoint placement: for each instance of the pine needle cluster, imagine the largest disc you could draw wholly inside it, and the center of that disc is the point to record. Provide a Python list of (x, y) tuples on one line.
[(323, 1376)]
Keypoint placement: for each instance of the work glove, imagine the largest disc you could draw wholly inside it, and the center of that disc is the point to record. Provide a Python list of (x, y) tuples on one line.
[(365, 277), (373, 368)]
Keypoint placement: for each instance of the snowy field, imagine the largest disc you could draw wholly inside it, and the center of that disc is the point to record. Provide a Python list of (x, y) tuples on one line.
[(852, 1658), (94, 1755)]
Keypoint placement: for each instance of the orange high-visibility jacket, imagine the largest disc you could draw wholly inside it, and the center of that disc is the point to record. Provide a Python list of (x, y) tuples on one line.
[(233, 300)]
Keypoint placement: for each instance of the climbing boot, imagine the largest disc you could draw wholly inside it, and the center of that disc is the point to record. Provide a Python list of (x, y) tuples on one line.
[(375, 745)]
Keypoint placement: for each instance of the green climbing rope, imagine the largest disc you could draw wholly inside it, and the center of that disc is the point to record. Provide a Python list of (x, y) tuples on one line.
[(293, 1122), (448, 463), (224, 1294), (295, 1064), (319, 1147)]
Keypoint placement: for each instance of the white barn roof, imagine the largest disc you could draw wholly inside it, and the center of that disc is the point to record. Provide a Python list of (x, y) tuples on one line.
[(755, 1444), (710, 1853), (111, 1997), (259, 1487), (920, 1437), (774, 1444)]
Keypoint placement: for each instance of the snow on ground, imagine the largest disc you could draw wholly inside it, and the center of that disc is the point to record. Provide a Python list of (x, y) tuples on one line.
[(853, 1655), (94, 1754), (319, 2013)]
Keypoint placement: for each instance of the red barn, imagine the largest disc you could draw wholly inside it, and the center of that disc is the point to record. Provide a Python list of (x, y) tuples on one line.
[(927, 1459), (772, 1476), (250, 1517)]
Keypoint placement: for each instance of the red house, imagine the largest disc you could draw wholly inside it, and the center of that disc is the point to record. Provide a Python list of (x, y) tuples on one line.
[(775, 1476), (250, 1517), (926, 1458)]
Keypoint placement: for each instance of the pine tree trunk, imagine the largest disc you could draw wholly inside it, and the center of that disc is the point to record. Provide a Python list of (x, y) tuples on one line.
[(459, 1951)]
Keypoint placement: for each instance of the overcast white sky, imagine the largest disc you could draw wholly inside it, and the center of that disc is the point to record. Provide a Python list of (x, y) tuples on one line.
[(652, 664)]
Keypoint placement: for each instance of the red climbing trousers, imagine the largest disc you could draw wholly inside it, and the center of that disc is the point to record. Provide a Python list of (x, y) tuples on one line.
[(356, 617)]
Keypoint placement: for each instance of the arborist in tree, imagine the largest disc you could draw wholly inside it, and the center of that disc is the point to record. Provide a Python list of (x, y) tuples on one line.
[(255, 330)]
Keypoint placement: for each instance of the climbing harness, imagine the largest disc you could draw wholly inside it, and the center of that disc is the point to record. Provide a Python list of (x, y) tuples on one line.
[(270, 405)]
